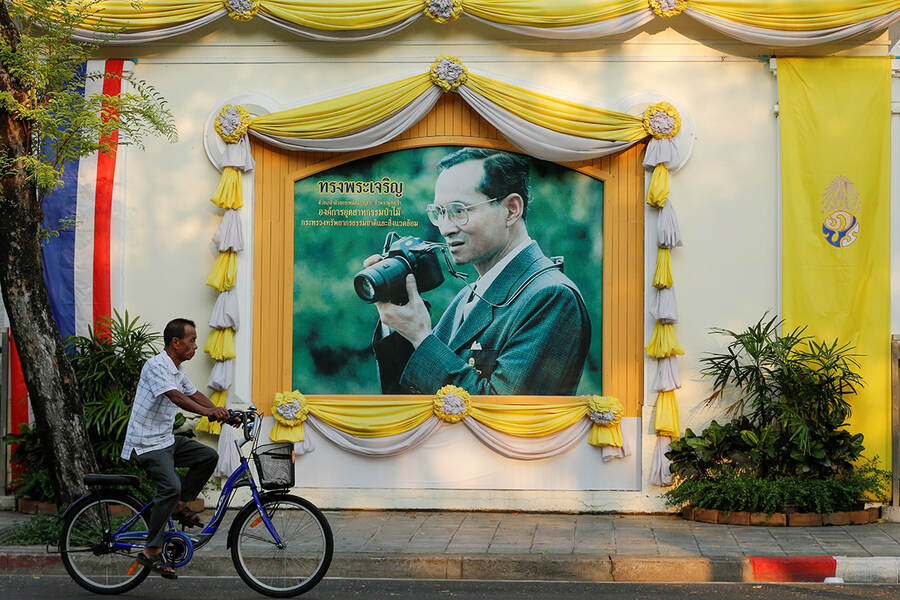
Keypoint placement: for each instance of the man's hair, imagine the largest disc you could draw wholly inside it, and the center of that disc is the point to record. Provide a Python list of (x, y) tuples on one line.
[(175, 329), (505, 173)]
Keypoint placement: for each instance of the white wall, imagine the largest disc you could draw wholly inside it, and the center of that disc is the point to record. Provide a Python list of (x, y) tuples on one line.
[(726, 195)]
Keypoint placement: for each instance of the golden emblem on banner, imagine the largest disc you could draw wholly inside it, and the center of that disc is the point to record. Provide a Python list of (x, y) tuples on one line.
[(841, 207)]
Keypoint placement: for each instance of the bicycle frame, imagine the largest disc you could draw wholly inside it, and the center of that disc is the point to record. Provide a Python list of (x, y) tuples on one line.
[(241, 477)]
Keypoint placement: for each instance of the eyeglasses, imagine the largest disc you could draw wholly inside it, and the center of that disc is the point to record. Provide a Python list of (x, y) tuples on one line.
[(456, 212)]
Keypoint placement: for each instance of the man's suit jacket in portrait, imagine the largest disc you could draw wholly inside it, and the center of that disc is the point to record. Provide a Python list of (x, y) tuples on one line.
[(536, 345)]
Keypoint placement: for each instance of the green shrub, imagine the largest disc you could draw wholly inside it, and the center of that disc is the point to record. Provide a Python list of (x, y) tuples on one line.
[(39, 529), (107, 363), (786, 443), (33, 479), (734, 491)]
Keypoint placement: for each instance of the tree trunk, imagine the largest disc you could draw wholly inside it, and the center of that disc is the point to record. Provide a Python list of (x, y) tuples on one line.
[(52, 389)]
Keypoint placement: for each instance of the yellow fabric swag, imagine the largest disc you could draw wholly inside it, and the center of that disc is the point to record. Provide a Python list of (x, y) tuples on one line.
[(345, 114)]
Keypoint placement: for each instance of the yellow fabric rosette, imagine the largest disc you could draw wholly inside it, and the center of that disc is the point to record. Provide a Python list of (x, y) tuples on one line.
[(668, 9), (448, 73), (230, 111), (606, 412), (215, 428), (442, 16), (666, 421), (451, 403), (290, 410), (229, 194), (662, 120)]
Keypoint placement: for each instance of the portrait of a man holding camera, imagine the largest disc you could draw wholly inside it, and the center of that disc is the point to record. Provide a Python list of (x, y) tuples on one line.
[(522, 328)]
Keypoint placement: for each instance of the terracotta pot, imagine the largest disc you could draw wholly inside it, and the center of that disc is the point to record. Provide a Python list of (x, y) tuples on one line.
[(735, 518), (706, 515), (804, 520), (47, 508), (836, 518), (688, 513), (859, 517), (767, 520), (26, 505), (874, 513)]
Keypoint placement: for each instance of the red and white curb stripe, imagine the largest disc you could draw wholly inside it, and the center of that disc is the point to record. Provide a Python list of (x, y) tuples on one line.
[(837, 569)]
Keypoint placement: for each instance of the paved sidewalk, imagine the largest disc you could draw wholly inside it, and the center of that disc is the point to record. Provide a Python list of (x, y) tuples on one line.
[(508, 545)]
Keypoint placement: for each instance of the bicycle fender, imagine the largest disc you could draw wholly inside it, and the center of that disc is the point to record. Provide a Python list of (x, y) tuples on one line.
[(108, 493)]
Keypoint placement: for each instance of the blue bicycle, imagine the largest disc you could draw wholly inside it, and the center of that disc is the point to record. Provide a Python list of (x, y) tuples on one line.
[(281, 544)]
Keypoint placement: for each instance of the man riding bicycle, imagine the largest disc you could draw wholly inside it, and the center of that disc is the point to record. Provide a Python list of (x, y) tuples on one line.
[(163, 388)]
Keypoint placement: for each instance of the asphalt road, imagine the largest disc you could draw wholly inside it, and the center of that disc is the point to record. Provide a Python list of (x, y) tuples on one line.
[(228, 588)]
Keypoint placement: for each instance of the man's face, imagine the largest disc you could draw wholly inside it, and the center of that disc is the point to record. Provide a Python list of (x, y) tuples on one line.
[(186, 345), (486, 233)]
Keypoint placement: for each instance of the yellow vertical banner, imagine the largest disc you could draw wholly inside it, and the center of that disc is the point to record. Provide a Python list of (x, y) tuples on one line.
[(835, 172)]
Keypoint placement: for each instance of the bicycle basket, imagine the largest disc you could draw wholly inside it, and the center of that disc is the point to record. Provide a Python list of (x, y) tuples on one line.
[(275, 466)]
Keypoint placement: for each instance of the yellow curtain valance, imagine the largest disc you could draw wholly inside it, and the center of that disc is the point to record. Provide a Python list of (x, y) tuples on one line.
[(354, 112), (371, 18), (796, 15), (381, 416), (345, 114)]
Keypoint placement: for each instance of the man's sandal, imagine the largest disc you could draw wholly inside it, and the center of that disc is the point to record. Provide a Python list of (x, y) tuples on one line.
[(157, 565), (187, 518)]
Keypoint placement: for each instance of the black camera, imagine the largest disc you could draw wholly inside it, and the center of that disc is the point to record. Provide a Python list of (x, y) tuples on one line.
[(385, 281)]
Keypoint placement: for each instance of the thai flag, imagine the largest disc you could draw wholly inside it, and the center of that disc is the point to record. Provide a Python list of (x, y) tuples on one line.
[(83, 264)]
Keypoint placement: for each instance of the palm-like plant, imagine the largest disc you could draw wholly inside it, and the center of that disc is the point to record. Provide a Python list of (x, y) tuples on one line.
[(108, 363), (795, 388)]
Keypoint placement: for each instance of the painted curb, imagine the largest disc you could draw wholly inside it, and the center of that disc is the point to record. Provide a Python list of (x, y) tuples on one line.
[(550, 567)]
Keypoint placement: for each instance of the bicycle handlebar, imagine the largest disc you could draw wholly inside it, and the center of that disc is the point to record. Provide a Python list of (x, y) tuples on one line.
[(247, 419)]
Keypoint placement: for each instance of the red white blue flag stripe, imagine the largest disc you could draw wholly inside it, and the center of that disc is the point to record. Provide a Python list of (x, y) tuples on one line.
[(83, 264)]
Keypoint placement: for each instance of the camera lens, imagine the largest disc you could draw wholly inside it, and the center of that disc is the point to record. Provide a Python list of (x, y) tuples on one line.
[(364, 288), (385, 281)]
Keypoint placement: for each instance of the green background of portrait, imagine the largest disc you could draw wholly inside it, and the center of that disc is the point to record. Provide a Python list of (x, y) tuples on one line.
[(332, 327)]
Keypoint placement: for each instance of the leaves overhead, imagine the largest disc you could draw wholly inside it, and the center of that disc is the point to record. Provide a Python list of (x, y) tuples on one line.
[(45, 60)]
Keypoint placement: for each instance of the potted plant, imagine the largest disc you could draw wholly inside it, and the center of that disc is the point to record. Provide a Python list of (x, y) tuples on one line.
[(786, 447)]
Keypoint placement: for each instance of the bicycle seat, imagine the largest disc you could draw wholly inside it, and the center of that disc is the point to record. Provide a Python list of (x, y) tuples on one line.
[(104, 480)]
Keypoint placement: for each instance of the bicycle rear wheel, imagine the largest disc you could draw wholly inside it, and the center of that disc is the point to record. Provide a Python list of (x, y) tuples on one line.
[(96, 543), (304, 557)]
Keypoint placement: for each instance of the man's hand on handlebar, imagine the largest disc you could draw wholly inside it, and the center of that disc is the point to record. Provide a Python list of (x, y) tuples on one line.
[(228, 417)]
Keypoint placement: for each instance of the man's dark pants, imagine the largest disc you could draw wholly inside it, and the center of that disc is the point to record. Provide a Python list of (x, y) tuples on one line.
[(160, 466)]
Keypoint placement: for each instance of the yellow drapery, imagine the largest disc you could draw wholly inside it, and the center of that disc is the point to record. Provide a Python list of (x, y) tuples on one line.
[(658, 190), (558, 13), (350, 15), (663, 342), (228, 194), (220, 344), (372, 416), (794, 15), (381, 416), (557, 114), (337, 15), (666, 420), (835, 153), (146, 14), (223, 274), (662, 276), (215, 428), (529, 420), (345, 114)]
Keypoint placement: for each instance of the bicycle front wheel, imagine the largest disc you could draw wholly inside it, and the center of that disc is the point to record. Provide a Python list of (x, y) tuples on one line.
[(100, 541), (292, 567)]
